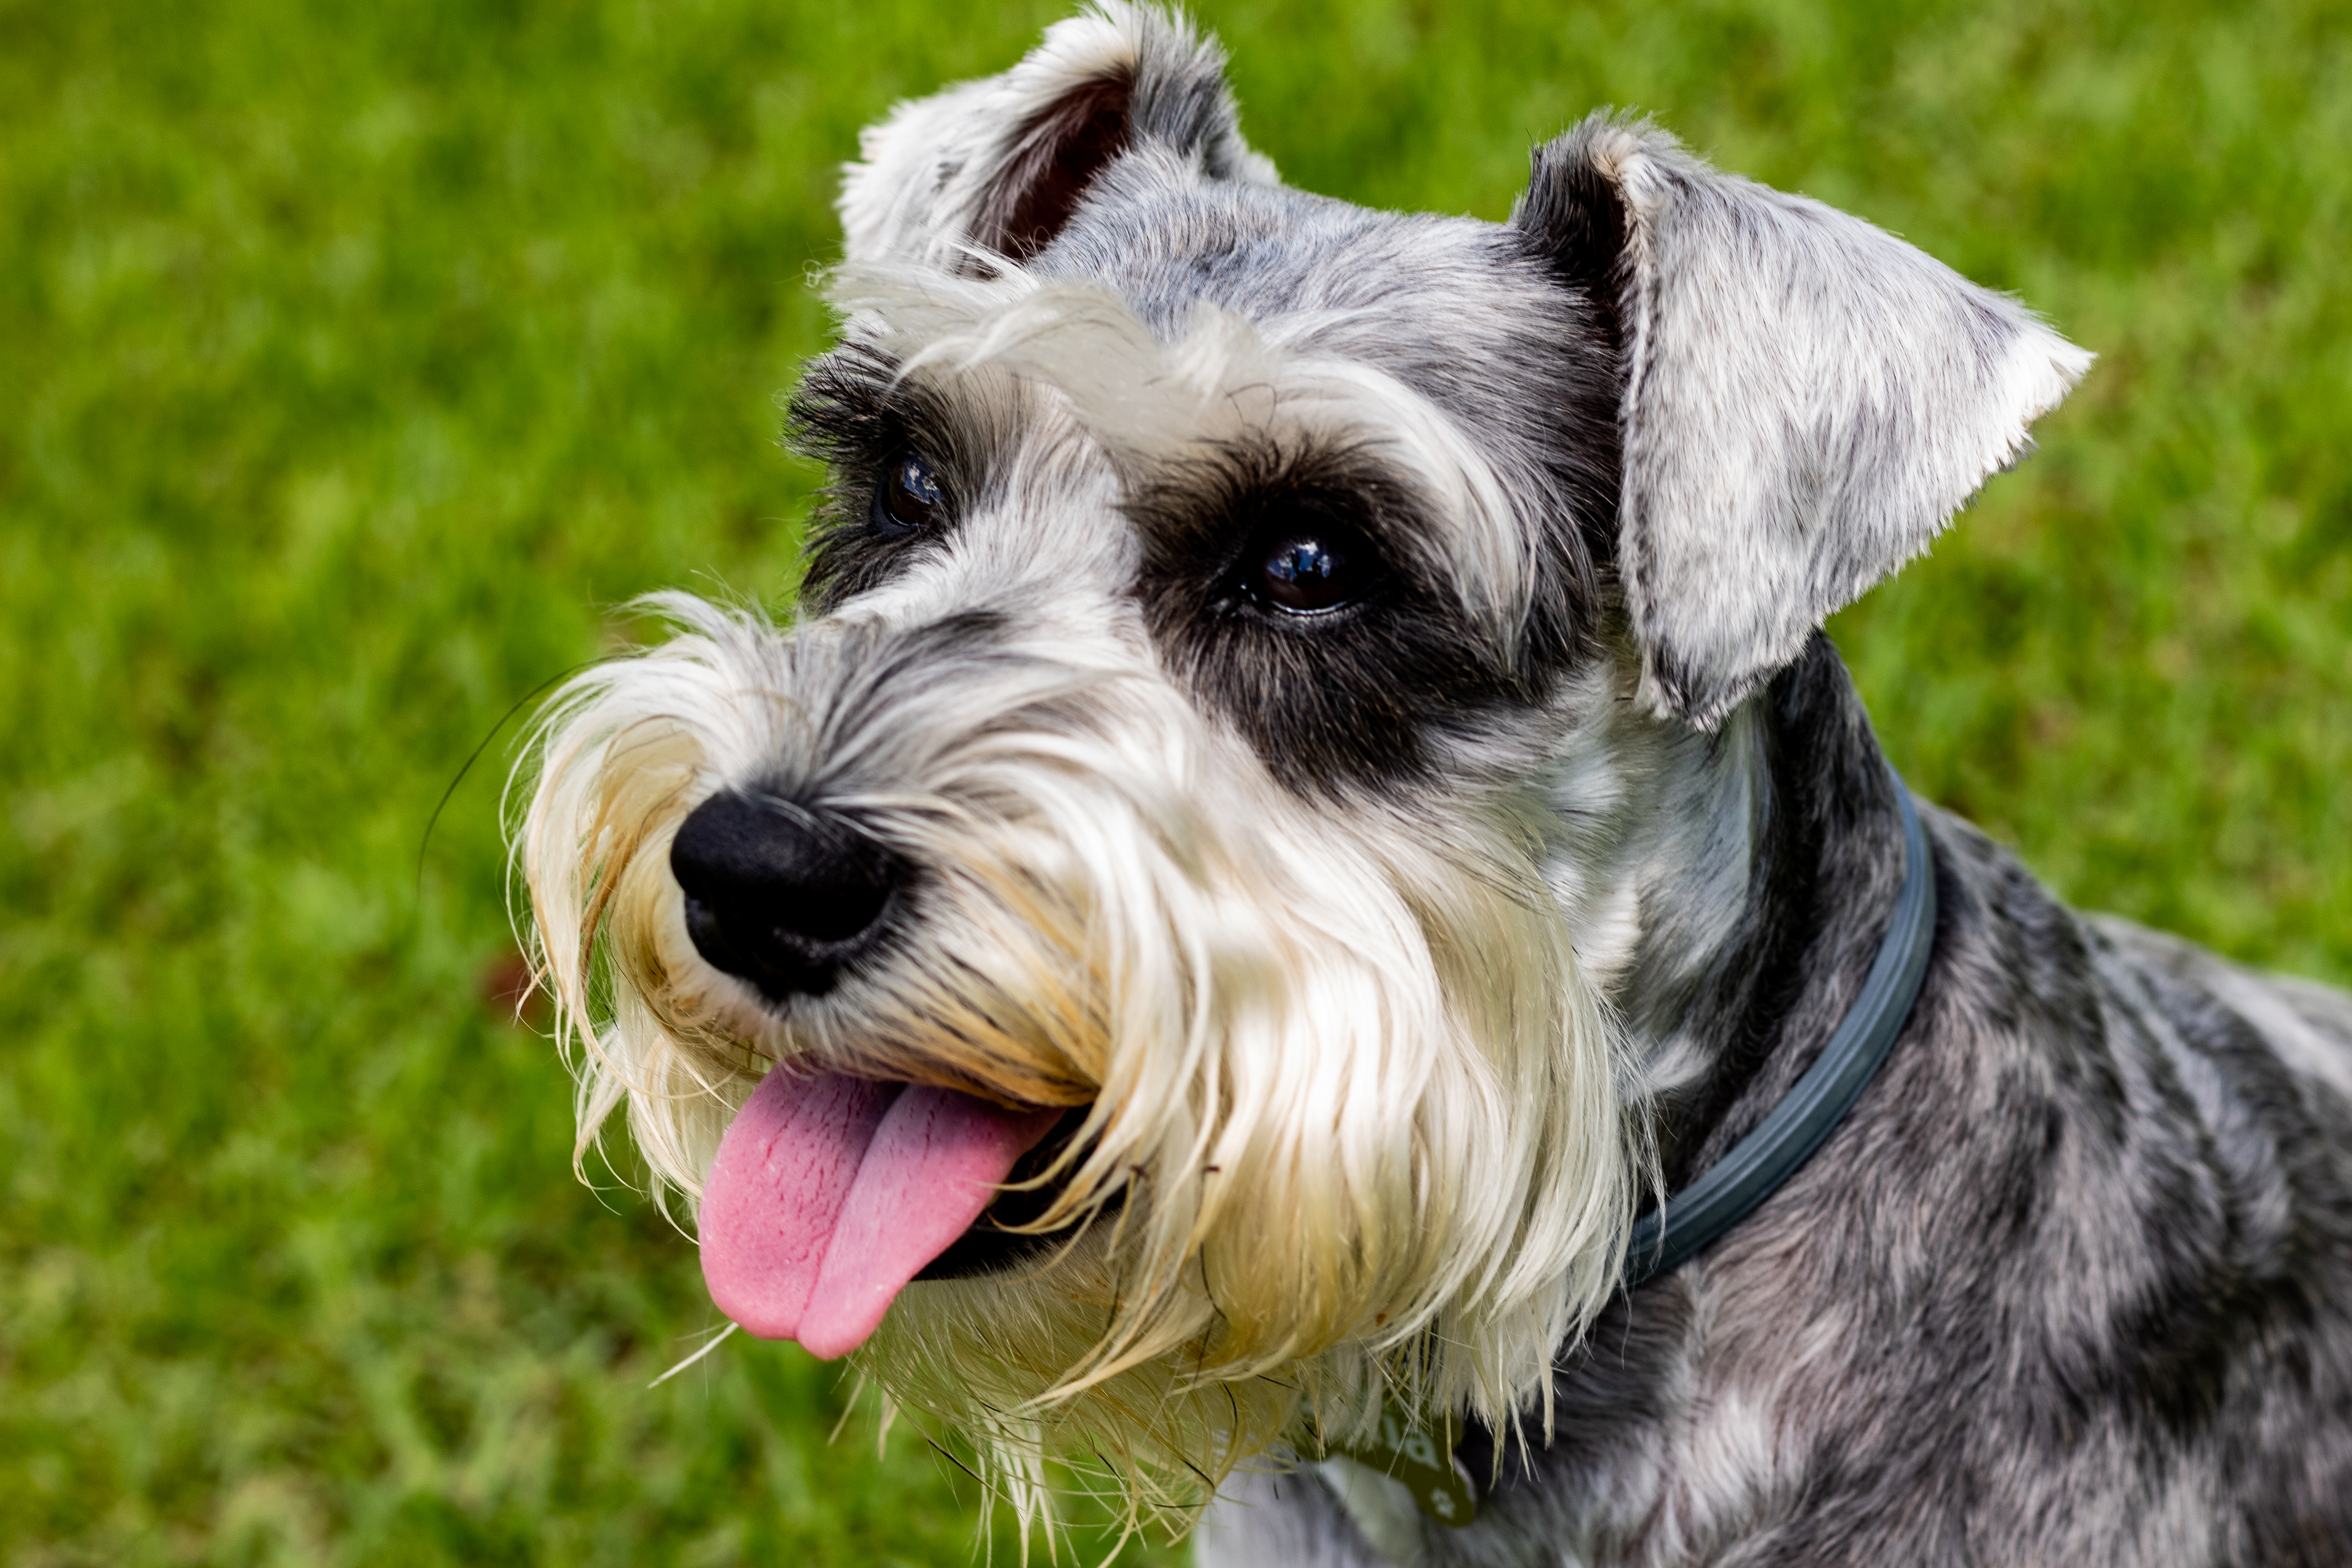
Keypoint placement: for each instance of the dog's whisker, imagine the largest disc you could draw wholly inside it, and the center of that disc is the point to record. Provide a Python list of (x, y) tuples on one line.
[(712, 1343)]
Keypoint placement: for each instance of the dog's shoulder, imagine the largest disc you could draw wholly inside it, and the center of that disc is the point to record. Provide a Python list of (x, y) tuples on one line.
[(2230, 1013)]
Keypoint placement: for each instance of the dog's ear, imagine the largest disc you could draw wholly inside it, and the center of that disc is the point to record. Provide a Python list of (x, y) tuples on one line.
[(1002, 163), (1806, 400)]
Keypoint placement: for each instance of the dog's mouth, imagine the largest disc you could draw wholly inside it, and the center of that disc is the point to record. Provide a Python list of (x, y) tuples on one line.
[(1000, 1239), (831, 1194)]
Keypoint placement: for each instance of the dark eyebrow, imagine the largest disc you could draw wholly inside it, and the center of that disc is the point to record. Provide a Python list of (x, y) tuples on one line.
[(1194, 512), (854, 409), (849, 406)]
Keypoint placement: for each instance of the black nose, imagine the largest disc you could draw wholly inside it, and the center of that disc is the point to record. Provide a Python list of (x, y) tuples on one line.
[(781, 894)]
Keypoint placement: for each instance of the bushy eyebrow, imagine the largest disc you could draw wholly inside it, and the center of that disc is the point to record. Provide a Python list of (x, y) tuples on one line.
[(859, 408), (850, 406), (859, 404), (1194, 510)]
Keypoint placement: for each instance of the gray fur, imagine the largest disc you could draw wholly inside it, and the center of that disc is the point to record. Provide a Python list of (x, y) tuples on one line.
[(1806, 400), (933, 179)]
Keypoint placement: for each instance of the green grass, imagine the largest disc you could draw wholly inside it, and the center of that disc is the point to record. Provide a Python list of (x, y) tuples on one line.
[(354, 361)]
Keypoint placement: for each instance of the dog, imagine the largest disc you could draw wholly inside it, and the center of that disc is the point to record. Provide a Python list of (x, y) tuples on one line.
[(1307, 802)]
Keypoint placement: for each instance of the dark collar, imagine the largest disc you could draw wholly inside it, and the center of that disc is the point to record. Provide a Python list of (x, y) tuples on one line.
[(1723, 1194)]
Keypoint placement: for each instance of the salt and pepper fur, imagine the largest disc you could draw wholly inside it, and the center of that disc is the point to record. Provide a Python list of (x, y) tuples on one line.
[(1398, 957)]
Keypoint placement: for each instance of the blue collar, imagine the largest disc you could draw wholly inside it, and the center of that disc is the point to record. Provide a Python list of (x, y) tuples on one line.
[(1757, 1165)]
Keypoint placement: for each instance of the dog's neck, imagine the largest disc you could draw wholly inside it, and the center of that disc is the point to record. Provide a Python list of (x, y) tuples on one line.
[(1765, 882)]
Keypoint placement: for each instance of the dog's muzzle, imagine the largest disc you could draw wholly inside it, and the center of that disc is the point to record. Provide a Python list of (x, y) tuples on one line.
[(780, 894), (830, 1194)]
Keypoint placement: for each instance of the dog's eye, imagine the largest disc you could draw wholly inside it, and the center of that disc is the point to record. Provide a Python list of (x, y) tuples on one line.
[(1314, 569), (910, 499)]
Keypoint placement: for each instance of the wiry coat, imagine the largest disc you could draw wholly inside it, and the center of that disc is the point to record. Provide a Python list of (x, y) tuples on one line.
[(1377, 956)]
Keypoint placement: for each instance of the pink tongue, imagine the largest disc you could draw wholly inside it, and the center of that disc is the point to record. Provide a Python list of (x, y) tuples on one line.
[(784, 1171), (830, 1194)]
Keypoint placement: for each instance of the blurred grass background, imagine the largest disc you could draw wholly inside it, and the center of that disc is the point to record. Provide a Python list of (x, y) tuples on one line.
[(355, 360)]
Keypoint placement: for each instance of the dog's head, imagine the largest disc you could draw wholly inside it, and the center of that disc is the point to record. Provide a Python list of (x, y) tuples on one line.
[(1215, 781)]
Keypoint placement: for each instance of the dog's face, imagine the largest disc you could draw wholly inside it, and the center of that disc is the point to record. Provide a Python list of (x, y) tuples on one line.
[(1257, 653)]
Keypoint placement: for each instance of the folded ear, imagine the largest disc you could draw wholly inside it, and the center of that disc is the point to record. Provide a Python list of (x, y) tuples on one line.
[(1002, 163), (1806, 399)]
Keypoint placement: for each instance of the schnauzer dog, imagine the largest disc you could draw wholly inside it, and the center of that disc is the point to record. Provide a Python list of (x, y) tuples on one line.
[(1307, 829)]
